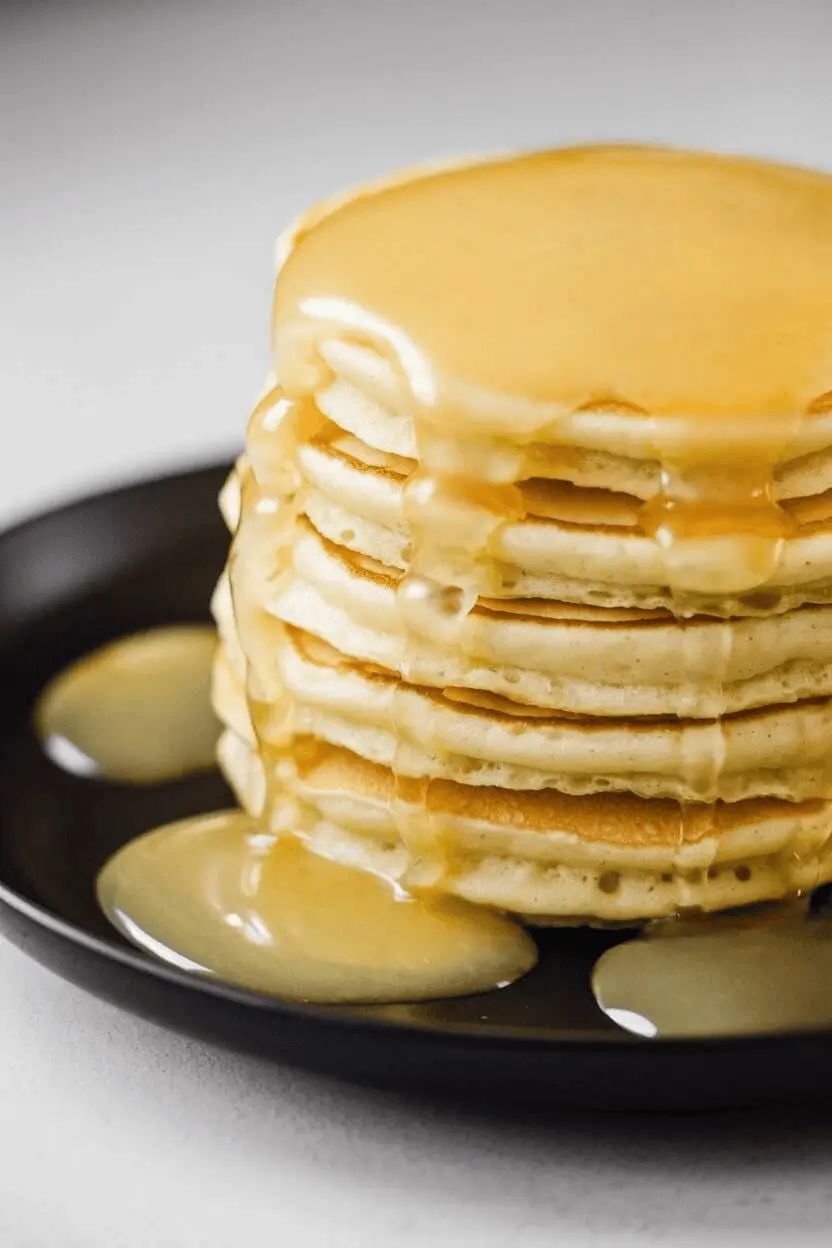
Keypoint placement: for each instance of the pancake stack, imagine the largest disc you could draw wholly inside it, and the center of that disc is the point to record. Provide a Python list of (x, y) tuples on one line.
[(530, 594)]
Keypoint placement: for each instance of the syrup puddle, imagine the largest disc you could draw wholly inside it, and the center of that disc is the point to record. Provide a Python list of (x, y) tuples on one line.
[(217, 896), (737, 974), (136, 711)]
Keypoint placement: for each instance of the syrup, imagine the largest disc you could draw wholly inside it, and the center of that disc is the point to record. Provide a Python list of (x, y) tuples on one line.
[(221, 897), (137, 711)]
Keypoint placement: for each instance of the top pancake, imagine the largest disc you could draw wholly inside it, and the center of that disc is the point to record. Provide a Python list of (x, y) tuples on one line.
[(626, 290), (560, 315)]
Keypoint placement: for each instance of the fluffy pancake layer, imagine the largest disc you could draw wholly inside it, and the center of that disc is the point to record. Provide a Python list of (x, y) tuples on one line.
[(578, 543), (581, 659), (551, 858), (608, 446), (487, 741)]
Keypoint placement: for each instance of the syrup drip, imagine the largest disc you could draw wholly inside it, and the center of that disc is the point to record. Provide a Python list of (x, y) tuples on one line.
[(719, 528), (454, 519), (260, 557), (721, 533)]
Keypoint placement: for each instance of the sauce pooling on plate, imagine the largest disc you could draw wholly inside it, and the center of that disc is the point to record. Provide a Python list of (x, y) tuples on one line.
[(725, 975), (136, 711), (218, 896)]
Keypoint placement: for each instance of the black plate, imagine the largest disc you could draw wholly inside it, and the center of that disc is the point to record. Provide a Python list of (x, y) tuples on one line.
[(150, 554)]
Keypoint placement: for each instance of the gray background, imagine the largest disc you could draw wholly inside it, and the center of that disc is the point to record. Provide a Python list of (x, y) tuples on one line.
[(149, 153)]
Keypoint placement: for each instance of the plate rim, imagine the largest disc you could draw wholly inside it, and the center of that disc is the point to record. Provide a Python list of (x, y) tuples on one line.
[(76, 500), (346, 1016)]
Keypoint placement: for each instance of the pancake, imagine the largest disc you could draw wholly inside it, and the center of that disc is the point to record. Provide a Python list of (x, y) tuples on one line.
[(604, 239), (579, 544), (622, 459), (605, 858), (486, 740), (370, 481), (582, 659)]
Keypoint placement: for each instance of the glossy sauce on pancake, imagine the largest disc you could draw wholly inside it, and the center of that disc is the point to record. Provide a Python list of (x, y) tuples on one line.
[(565, 319)]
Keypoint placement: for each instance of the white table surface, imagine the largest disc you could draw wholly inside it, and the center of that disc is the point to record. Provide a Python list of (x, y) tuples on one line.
[(149, 153)]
